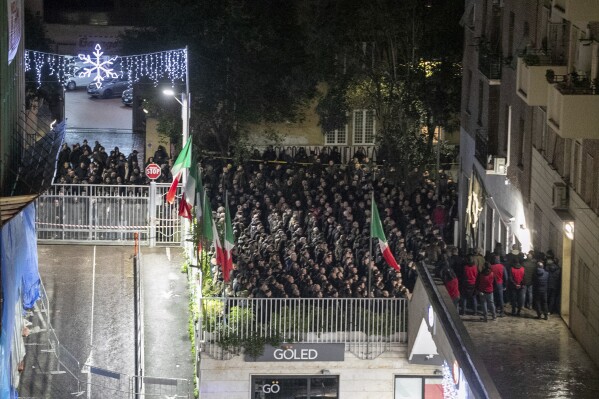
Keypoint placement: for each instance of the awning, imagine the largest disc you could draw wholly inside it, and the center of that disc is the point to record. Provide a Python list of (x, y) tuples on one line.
[(11, 206)]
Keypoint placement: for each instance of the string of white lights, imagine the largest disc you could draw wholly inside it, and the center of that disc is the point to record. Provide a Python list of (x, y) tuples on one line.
[(168, 65), (449, 388)]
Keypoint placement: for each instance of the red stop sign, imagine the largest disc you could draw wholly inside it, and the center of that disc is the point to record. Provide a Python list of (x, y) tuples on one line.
[(153, 171)]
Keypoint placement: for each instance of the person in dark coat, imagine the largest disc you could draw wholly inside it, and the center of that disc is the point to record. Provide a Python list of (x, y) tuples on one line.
[(540, 282), (554, 285), (530, 266)]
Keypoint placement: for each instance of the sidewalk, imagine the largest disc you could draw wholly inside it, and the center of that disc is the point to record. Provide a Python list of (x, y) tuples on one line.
[(166, 315), (531, 358)]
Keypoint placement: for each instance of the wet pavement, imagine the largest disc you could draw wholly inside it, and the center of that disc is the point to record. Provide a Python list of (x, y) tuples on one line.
[(90, 307), (531, 358)]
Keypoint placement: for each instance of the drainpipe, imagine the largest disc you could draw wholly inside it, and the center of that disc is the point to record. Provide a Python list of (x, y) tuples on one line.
[(509, 137)]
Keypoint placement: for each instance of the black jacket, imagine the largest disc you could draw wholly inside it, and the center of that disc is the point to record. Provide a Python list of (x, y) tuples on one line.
[(540, 280)]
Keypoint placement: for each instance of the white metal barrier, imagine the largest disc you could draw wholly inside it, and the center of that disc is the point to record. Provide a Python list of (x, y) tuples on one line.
[(367, 326), (110, 214)]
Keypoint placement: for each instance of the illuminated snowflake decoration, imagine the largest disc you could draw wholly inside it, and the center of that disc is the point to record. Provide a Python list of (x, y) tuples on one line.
[(101, 68)]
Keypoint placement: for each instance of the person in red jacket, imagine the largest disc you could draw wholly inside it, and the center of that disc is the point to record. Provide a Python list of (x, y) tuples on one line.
[(450, 280), (500, 283), (468, 289), (485, 285), (517, 287)]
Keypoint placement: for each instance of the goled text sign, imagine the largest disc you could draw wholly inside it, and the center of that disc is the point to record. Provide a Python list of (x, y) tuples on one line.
[(301, 353)]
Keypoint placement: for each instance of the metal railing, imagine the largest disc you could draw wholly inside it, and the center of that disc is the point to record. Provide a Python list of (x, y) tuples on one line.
[(368, 327), (109, 214), (341, 153), (138, 314)]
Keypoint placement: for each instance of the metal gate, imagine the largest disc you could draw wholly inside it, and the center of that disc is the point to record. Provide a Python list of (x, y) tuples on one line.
[(108, 214)]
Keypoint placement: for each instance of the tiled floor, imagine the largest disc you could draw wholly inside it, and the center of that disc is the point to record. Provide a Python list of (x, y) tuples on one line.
[(531, 358)]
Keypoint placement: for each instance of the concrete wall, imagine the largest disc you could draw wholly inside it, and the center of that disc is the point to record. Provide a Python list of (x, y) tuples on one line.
[(364, 379)]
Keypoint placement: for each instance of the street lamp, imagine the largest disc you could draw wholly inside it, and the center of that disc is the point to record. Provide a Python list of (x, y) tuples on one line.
[(184, 101)]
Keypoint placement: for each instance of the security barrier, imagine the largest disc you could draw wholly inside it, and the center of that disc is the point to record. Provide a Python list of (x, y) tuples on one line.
[(109, 214)]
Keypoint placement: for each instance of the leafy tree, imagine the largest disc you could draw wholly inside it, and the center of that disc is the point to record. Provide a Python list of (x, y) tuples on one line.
[(401, 59), (247, 62)]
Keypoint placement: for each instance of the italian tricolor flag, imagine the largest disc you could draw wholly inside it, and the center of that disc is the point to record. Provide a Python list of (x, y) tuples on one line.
[(220, 255), (376, 231), (229, 244), (190, 192), (183, 162)]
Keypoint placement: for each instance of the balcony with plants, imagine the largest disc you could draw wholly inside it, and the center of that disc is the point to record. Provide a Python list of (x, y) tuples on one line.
[(531, 77), (572, 105)]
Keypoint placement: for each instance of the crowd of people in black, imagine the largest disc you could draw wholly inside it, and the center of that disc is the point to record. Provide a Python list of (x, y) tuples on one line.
[(303, 230), (83, 164)]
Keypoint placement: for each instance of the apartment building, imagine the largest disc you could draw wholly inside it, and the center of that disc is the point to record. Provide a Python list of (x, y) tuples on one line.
[(530, 141)]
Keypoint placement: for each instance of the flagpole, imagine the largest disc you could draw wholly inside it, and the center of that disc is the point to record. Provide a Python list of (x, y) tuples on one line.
[(370, 240)]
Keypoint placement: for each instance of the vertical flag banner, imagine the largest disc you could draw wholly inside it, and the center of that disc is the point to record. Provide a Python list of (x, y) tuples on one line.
[(376, 231), (182, 162), (229, 244), (188, 198)]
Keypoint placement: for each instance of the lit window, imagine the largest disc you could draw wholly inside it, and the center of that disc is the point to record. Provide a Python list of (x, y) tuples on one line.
[(364, 129)]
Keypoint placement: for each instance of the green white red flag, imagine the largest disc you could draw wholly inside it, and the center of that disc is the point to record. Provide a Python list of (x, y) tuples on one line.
[(206, 220), (189, 196), (182, 162), (376, 231), (220, 254), (229, 244)]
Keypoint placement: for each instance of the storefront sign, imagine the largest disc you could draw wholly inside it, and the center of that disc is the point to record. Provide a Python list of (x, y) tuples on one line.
[(301, 353)]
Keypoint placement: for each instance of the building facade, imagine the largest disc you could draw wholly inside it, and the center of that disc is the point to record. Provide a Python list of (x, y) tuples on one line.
[(530, 141)]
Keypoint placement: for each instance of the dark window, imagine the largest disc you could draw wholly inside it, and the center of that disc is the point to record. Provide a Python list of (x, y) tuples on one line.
[(296, 387), (510, 37), (481, 92)]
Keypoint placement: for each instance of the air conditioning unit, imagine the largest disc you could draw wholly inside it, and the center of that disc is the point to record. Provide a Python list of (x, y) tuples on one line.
[(560, 196), (499, 167)]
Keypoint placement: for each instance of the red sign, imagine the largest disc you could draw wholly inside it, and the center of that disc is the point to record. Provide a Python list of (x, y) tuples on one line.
[(153, 171)]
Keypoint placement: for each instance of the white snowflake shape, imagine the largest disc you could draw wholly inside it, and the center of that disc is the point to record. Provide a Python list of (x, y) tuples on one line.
[(101, 68)]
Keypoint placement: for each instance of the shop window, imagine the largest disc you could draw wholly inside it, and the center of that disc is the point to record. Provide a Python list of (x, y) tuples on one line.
[(297, 387), (411, 387)]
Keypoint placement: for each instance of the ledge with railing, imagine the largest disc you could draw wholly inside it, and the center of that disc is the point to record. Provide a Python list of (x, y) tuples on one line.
[(573, 83), (368, 327)]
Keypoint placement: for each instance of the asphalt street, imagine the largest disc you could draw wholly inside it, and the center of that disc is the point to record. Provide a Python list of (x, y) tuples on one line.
[(109, 120), (83, 111), (90, 297), (90, 293)]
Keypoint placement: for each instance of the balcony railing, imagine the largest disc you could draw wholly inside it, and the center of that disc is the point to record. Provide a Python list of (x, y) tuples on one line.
[(572, 106), (481, 150), (533, 66), (489, 64), (367, 327)]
